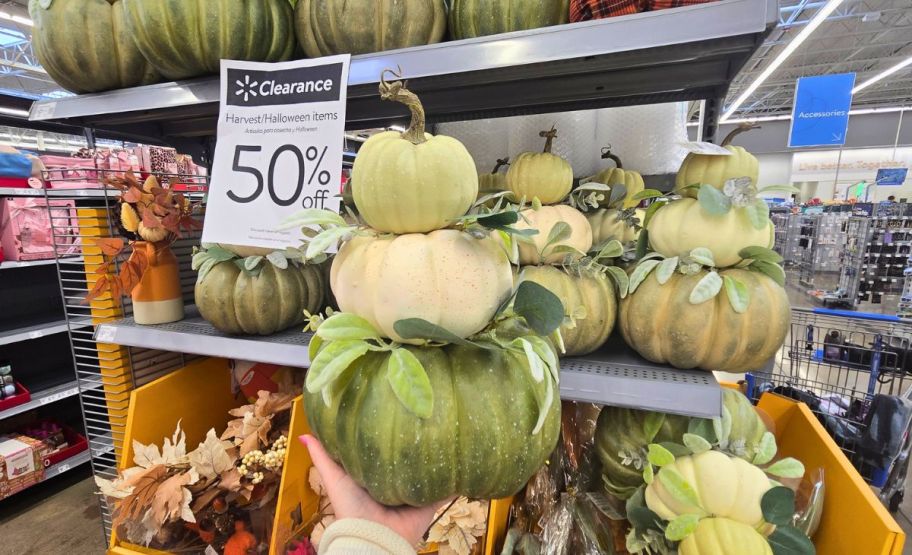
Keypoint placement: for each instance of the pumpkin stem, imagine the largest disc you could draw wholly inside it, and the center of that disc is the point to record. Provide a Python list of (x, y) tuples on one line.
[(501, 162), (549, 137), (607, 155), (737, 131), (397, 92)]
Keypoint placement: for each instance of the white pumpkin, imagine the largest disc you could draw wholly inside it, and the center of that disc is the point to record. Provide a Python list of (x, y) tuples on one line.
[(606, 225), (543, 220)]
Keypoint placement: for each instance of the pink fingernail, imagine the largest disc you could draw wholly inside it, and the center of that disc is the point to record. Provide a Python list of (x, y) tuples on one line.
[(303, 439)]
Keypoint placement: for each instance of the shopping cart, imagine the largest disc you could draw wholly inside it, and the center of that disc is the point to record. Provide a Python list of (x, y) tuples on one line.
[(854, 371)]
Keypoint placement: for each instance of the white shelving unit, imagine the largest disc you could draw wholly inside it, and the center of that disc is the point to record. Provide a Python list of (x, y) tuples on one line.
[(44, 397)]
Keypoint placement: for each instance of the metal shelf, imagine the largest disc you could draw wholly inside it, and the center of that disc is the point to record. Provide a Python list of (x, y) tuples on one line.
[(44, 397), (615, 375), (67, 193), (67, 464), (687, 53), (32, 332), (25, 263)]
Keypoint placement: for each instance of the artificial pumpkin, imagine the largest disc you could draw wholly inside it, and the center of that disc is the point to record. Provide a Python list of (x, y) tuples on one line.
[(621, 438), (189, 38), (85, 47), (723, 485), (544, 219), (683, 225), (724, 536), (541, 175), (327, 27), (608, 224), (660, 323), (587, 298), (700, 169), (238, 302), (476, 18), (494, 181), (632, 181), (446, 277), (478, 441), (412, 182)]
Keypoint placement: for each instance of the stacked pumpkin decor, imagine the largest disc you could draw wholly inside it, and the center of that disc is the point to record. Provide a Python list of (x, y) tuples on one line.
[(431, 333), (615, 216), (705, 487)]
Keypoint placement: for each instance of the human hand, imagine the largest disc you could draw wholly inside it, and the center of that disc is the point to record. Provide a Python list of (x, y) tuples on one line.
[(349, 500)]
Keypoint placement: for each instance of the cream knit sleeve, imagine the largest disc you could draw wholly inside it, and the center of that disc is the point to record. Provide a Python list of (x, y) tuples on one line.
[(353, 536)]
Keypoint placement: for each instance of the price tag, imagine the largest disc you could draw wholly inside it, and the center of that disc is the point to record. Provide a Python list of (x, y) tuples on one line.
[(58, 396), (35, 334), (280, 136), (45, 110), (708, 149), (105, 334), (61, 468)]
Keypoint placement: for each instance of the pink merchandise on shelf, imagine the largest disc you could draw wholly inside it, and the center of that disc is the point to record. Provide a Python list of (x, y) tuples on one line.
[(25, 227), (65, 172)]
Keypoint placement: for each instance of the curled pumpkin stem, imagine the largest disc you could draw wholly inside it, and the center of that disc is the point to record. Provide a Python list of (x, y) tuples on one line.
[(737, 131), (607, 155), (501, 162), (395, 91), (549, 137)]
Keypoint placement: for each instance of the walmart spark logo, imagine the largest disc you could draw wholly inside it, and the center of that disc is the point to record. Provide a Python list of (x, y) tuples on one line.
[(247, 88)]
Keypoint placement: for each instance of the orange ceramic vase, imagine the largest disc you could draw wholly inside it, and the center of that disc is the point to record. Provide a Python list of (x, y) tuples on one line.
[(157, 299)]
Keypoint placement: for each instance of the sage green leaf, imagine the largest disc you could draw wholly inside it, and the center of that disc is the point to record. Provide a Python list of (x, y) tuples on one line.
[(312, 217), (611, 249), (640, 273), (541, 308), (773, 271), (788, 540), (252, 262), (416, 328), (561, 231), (499, 220), (652, 423), (648, 193), (345, 325), (666, 270), (277, 259), (293, 253), (705, 289), (334, 389), (410, 382), (219, 253), (659, 456), (702, 427), (737, 293), (546, 354), (651, 210), (696, 444), (313, 348), (621, 279), (544, 406), (713, 201), (722, 426), (758, 213), (678, 487), (760, 253), (704, 256), (648, 474), (536, 366), (681, 527), (332, 361), (198, 259), (786, 468), (241, 264), (618, 192), (593, 186), (676, 449), (325, 239), (639, 515), (558, 249), (778, 505), (642, 246), (766, 449)]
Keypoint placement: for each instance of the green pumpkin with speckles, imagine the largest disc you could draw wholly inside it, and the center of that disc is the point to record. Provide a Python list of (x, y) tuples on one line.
[(478, 441)]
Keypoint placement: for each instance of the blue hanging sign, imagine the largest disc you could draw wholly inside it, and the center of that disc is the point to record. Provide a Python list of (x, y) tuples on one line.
[(820, 113), (891, 176)]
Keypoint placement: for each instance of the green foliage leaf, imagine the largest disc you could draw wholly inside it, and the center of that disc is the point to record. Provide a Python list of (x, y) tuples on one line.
[(760, 253), (621, 279), (642, 246), (758, 213), (648, 193), (659, 456), (697, 444), (325, 239), (219, 253), (536, 366), (639, 515), (704, 256), (722, 426), (497, 221), (611, 249), (681, 527), (277, 259), (332, 360), (778, 505), (558, 249), (737, 293), (410, 382), (416, 328), (546, 354), (675, 449), (678, 487), (766, 449), (788, 540), (345, 325), (648, 474), (312, 217), (705, 289), (252, 262), (651, 210), (541, 308), (773, 271), (652, 423), (786, 468), (640, 273), (713, 201), (702, 427), (618, 192), (666, 270), (561, 231), (313, 348)]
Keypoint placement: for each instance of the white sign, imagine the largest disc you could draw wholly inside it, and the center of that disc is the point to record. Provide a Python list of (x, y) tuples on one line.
[(854, 164), (700, 147), (279, 150)]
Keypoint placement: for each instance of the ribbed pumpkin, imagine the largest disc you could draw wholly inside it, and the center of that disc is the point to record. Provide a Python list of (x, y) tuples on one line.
[(412, 182), (723, 536), (660, 323), (543, 175), (716, 170), (630, 431), (236, 302), (631, 180), (543, 220), (494, 181), (725, 486), (478, 442), (188, 38), (607, 225), (591, 296), (327, 27), (476, 18), (85, 47), (446, 277), (683, 225)]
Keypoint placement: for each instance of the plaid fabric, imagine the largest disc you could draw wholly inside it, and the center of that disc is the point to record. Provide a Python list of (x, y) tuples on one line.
[(584, 10), (665, 4)]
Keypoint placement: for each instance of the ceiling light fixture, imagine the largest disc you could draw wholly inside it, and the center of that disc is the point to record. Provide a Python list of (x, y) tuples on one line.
[(790, 48), (885, 73)]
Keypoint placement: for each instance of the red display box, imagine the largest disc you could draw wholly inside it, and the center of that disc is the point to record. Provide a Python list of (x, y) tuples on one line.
[(77, 444), (22, 396)]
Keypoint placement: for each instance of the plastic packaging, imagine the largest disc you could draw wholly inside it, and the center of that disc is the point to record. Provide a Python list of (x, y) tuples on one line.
[(644, 137)]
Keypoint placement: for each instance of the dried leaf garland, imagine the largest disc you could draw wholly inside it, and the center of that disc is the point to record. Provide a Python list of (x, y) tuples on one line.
[(460, 526)]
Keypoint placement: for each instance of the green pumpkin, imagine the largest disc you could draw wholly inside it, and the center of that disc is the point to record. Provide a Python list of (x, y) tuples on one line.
[(237, 302), (189, 38), (84, 45), (478, 441), (476, 18), (327, 27)]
